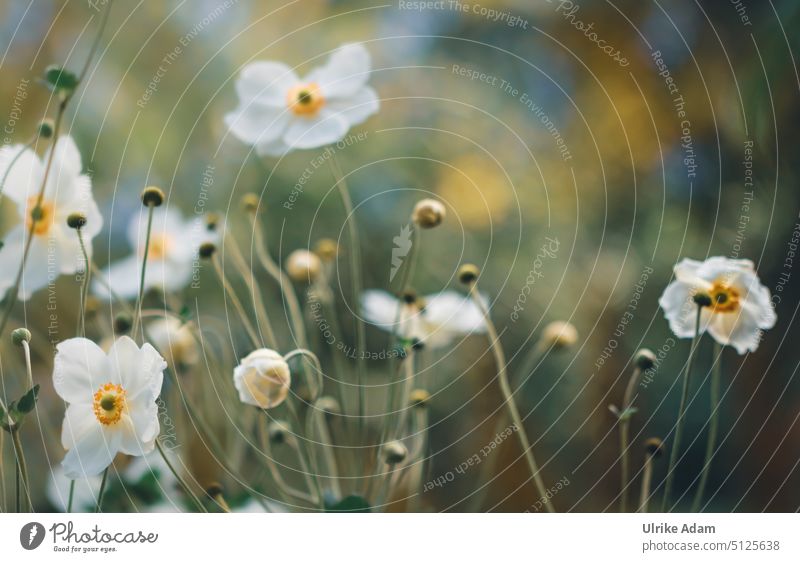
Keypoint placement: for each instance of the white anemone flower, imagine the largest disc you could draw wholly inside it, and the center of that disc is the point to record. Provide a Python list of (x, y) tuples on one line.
[(740, 308), (279, 112), (111, 402), (55, 249), (263, 379), (435, 320), (172, 257)]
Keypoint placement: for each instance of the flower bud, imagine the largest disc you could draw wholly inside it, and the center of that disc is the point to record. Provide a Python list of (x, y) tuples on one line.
[(559, 335), (250, 202), (329, 405), (123, 323), (326, 249), (212, 222), (175, 341), (46, 128), (702, 299), (419, 398), (645, 359), (152, 197), (394, 452), (278, 432), (654, 447), (468, 273), (207, 250), (428, 213), (263, 379), (76, 220), (303, 266), (20, 335)]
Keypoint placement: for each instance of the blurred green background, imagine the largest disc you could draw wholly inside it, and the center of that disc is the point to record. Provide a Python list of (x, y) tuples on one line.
[(623, 201)]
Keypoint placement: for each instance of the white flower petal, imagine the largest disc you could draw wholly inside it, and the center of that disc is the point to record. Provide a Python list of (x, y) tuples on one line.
[(11, 256), (138, 430), (455, 312), (92, 454), (346, 71), (80, 368), (356, 108), (25, 176), (123, 278), (679, 309), (125, 366), (266, 82), (64, 170), (326, 128), (256, 123), (380, 308), (79, 420)]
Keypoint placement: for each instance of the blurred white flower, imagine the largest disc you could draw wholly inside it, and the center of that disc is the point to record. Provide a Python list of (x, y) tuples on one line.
[(279, 112), (436, 320), (111, 401), (174, 340), (262, 379), (740, 305), (55, 249), (84, 497), (171, 257)]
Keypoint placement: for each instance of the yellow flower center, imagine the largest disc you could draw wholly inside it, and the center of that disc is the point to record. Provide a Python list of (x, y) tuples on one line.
[(158, 247), (109, 403), (724, 298), (40, 216), (305, 99)]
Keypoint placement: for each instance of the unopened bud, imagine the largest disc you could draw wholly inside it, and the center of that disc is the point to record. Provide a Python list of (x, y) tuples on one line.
[(428, 213), (419, 398), (250, 202), (702, 299), (76, 220), (20, 335), (46, 128), (654, 447), (326, 249), (123, 323), (468, 273), (394, 452), (152, 197), (645, 359), (207, 250), (559, 335), (303, 266), (278, 432)]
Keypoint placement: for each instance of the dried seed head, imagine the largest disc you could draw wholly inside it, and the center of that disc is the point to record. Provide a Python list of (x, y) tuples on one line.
[(654, 447), (559, 335), (76, 220), (152, 197), (419, 398), (468, 273), (394, 452), (303, 266), (428, 213), (207, 250), (20, 335), (645, 359)]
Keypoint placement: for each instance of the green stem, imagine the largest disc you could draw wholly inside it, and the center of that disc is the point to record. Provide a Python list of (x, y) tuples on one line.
[(102, 490), (673, 457), (137, 317), (508, 396), (355, 274), (71, 495), (22, 470), (713, 426), (624, 432), (237, 304), (180, 478), (84, 285)]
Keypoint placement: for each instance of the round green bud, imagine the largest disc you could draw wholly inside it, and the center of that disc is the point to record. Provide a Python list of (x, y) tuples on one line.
[(20, 335), (76, 220)]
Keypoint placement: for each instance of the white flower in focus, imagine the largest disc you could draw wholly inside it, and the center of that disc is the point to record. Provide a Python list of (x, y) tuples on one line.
[(279, 112), (55, 249), (442, 317), (111, 402), (174, 340), (171, 256), (262, 379), (740, 305)]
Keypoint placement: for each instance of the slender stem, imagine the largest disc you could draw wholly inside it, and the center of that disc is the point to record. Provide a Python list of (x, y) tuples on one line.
[(505, 388), (237, 304), (285, 489), (22, 470), (624, 432), (304, 457), (102, 490), (71, 495), (3, 469), (137, 317), (328, 454), (647, 479), (318, 374), (26, 350), (713, 427), (355, 274), (287, 290), (673, 457), (85, 284), (180, 478)]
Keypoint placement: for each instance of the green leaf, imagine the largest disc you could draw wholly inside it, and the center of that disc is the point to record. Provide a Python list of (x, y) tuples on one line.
[(28, 401), (350, 504), (59, 79)]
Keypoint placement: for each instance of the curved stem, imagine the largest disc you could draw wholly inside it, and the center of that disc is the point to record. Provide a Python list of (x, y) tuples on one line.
[(318, 374), (102, 490), (85, 285), (508, 396), (180, 479), (713, 427), (137, 317), (647, 479), (237, 304), (624, 432), (673, 457)]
